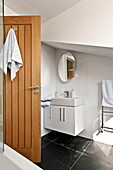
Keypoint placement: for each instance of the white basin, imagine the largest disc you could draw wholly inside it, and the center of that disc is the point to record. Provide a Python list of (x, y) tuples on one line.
[(77, 101)]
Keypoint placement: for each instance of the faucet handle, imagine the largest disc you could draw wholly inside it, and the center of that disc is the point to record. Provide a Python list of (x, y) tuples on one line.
[(66, 93)]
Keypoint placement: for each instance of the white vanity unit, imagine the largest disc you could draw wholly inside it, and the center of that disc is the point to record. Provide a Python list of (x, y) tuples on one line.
[(66, 115)]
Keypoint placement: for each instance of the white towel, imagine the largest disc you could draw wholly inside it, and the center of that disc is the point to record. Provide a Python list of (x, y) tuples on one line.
[(10, 56), (107, 91), (46, 100)]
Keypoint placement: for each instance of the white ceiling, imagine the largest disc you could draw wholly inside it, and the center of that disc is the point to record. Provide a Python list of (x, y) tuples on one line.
[(46, 8)]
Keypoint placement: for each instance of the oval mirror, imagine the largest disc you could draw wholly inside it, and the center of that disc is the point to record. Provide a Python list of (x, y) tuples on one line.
[(66, 67)]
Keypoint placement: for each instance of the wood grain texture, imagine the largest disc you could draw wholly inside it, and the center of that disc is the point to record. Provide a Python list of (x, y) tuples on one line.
[(28, 97), (15, 106), (36, 132), (17, 20), (21, 89), (7, 103), (25, 152), (22, 105)]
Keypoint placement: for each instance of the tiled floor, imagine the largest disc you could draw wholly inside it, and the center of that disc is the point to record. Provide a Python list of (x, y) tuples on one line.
[(64, 152)]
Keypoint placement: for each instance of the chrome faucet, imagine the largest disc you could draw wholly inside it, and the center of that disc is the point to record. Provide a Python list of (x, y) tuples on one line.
[(66, 93)]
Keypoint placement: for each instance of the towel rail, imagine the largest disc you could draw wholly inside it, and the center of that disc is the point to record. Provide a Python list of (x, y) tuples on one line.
[(104, 127)]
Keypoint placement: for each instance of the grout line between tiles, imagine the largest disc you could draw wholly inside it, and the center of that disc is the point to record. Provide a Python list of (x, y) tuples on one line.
[(68, 147), (81, 152), (55, 157), (49, 142), (87, 146), (45, 145), (76, 161), (80, 155)]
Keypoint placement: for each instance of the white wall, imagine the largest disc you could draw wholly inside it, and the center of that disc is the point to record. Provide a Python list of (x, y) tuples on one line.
[(89, 22), (8, 12), (48, 77), (91, 71)]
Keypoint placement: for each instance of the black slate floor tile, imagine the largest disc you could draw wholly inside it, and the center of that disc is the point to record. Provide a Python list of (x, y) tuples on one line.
[(100, 152), (56, 157), (65, 152), (51, 136), (88, 163), (74, 142), (44, 142)]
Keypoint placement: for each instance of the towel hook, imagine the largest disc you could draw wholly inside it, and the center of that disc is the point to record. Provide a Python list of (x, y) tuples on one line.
[(15, 29)]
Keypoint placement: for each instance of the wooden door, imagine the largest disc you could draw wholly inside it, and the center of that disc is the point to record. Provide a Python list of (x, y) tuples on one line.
[(22, 104)]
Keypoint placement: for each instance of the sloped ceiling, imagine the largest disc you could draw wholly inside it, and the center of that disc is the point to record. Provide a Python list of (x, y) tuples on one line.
[(87, 49), (46, 8)]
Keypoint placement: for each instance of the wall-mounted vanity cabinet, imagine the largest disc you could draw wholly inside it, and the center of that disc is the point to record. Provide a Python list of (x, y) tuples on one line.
[(69, 120)]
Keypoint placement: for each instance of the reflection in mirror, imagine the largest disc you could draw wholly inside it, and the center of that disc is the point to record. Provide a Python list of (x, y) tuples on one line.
[(66, 67)]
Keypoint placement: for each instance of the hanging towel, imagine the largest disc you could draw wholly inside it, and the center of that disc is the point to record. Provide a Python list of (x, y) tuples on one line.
[(10, 55), (107, 91), (46, 101)]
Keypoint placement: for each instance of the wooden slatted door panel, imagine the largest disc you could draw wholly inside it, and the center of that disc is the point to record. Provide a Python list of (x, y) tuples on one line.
[(21, 88), (22, 105), (7, 108), (28, 100), (14, 106)]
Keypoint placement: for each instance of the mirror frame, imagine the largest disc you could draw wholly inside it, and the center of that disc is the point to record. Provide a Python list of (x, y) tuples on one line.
[(62, 77)]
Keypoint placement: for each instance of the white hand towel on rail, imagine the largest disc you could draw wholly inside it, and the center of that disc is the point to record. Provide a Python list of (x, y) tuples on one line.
[(46, 100), (107, 91), (10, 56)]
